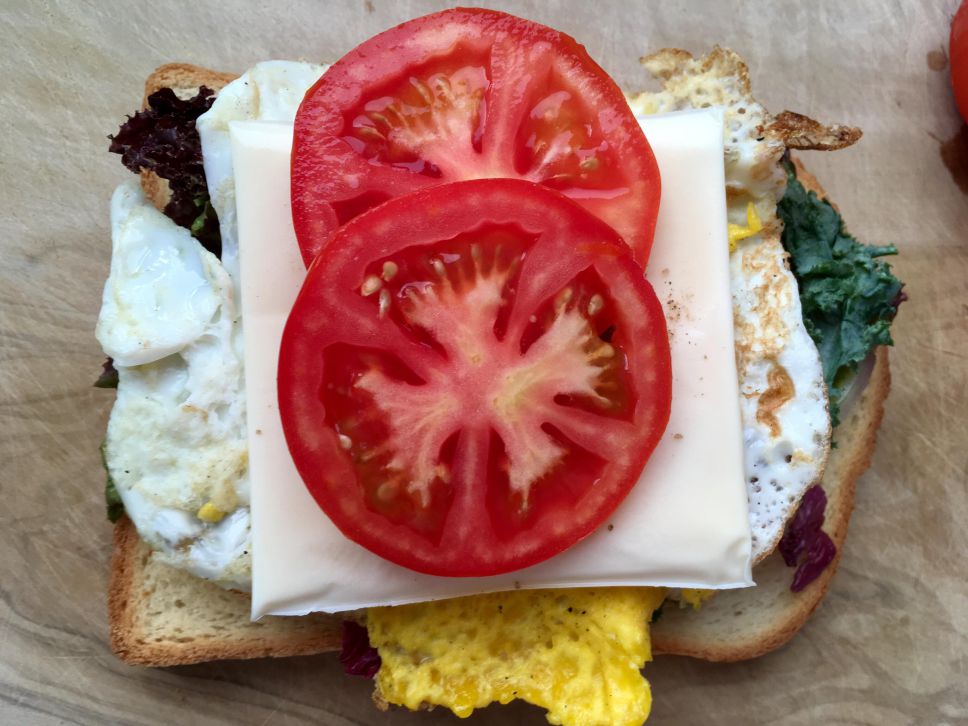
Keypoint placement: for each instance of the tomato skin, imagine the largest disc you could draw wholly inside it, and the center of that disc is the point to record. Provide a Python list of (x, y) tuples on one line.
[(332, 182), (330, 310), (958, 54)]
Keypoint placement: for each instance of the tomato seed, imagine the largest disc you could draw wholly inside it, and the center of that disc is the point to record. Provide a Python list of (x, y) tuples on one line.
[(384, 302), (390, 270), (370, 285), (422, 89), (368, 132)]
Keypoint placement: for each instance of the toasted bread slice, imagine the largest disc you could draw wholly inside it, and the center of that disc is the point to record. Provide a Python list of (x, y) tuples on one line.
[(161, 616)]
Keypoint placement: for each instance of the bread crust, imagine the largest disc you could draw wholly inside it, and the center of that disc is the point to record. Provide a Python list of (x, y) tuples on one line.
[(185, 79), (140, 585), (743, 624)]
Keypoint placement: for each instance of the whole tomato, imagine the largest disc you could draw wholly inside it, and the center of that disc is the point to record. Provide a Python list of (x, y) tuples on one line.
[(958, 53)]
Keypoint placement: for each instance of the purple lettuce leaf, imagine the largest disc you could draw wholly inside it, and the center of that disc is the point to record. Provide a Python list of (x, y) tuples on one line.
[(807, 520), (163, 139), (820, 553), (804, 544), (109, 375), (358, 657)]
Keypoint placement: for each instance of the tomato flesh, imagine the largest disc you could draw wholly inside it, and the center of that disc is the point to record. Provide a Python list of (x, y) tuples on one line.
[(473, 377), (415, 124), (468, 94)]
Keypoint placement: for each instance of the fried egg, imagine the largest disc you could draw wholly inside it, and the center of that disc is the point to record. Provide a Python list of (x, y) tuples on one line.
[(269, 91), (176, 444), (783, 399)]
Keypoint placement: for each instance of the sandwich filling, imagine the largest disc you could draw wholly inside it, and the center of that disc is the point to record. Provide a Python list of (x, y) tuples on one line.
[(786, 424), (176, 441)]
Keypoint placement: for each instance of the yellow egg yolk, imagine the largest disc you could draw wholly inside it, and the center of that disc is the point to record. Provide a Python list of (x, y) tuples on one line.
[(753, 226), (208, 512)]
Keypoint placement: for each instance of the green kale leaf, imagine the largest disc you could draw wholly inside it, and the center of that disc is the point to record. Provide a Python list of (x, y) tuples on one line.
[(849, 297), (112, 499)]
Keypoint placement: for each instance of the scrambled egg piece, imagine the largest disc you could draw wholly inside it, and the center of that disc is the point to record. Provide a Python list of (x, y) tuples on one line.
[(577, 653)]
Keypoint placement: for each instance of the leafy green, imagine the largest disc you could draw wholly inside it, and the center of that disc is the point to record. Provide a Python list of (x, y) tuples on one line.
[(112, 499), (205, 225), (848, 296)]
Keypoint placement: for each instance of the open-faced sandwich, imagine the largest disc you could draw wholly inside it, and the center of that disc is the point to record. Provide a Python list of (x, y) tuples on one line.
[(456, 357)]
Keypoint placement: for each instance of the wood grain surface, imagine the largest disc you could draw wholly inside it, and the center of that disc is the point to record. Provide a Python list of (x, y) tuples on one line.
[(888, 646)]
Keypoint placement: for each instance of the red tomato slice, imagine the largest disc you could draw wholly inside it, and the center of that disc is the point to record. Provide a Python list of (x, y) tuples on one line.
[(468, 94), (473, 377)]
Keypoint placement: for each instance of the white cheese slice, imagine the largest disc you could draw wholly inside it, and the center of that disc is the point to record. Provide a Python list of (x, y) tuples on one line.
[(684, 525)]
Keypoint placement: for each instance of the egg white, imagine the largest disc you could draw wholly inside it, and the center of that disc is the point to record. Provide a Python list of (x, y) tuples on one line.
[(176, 438), (269, 91), (783, 398), (157, 298)]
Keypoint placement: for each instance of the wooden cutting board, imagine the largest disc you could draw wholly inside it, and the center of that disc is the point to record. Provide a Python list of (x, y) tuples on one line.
[(890, 643)]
